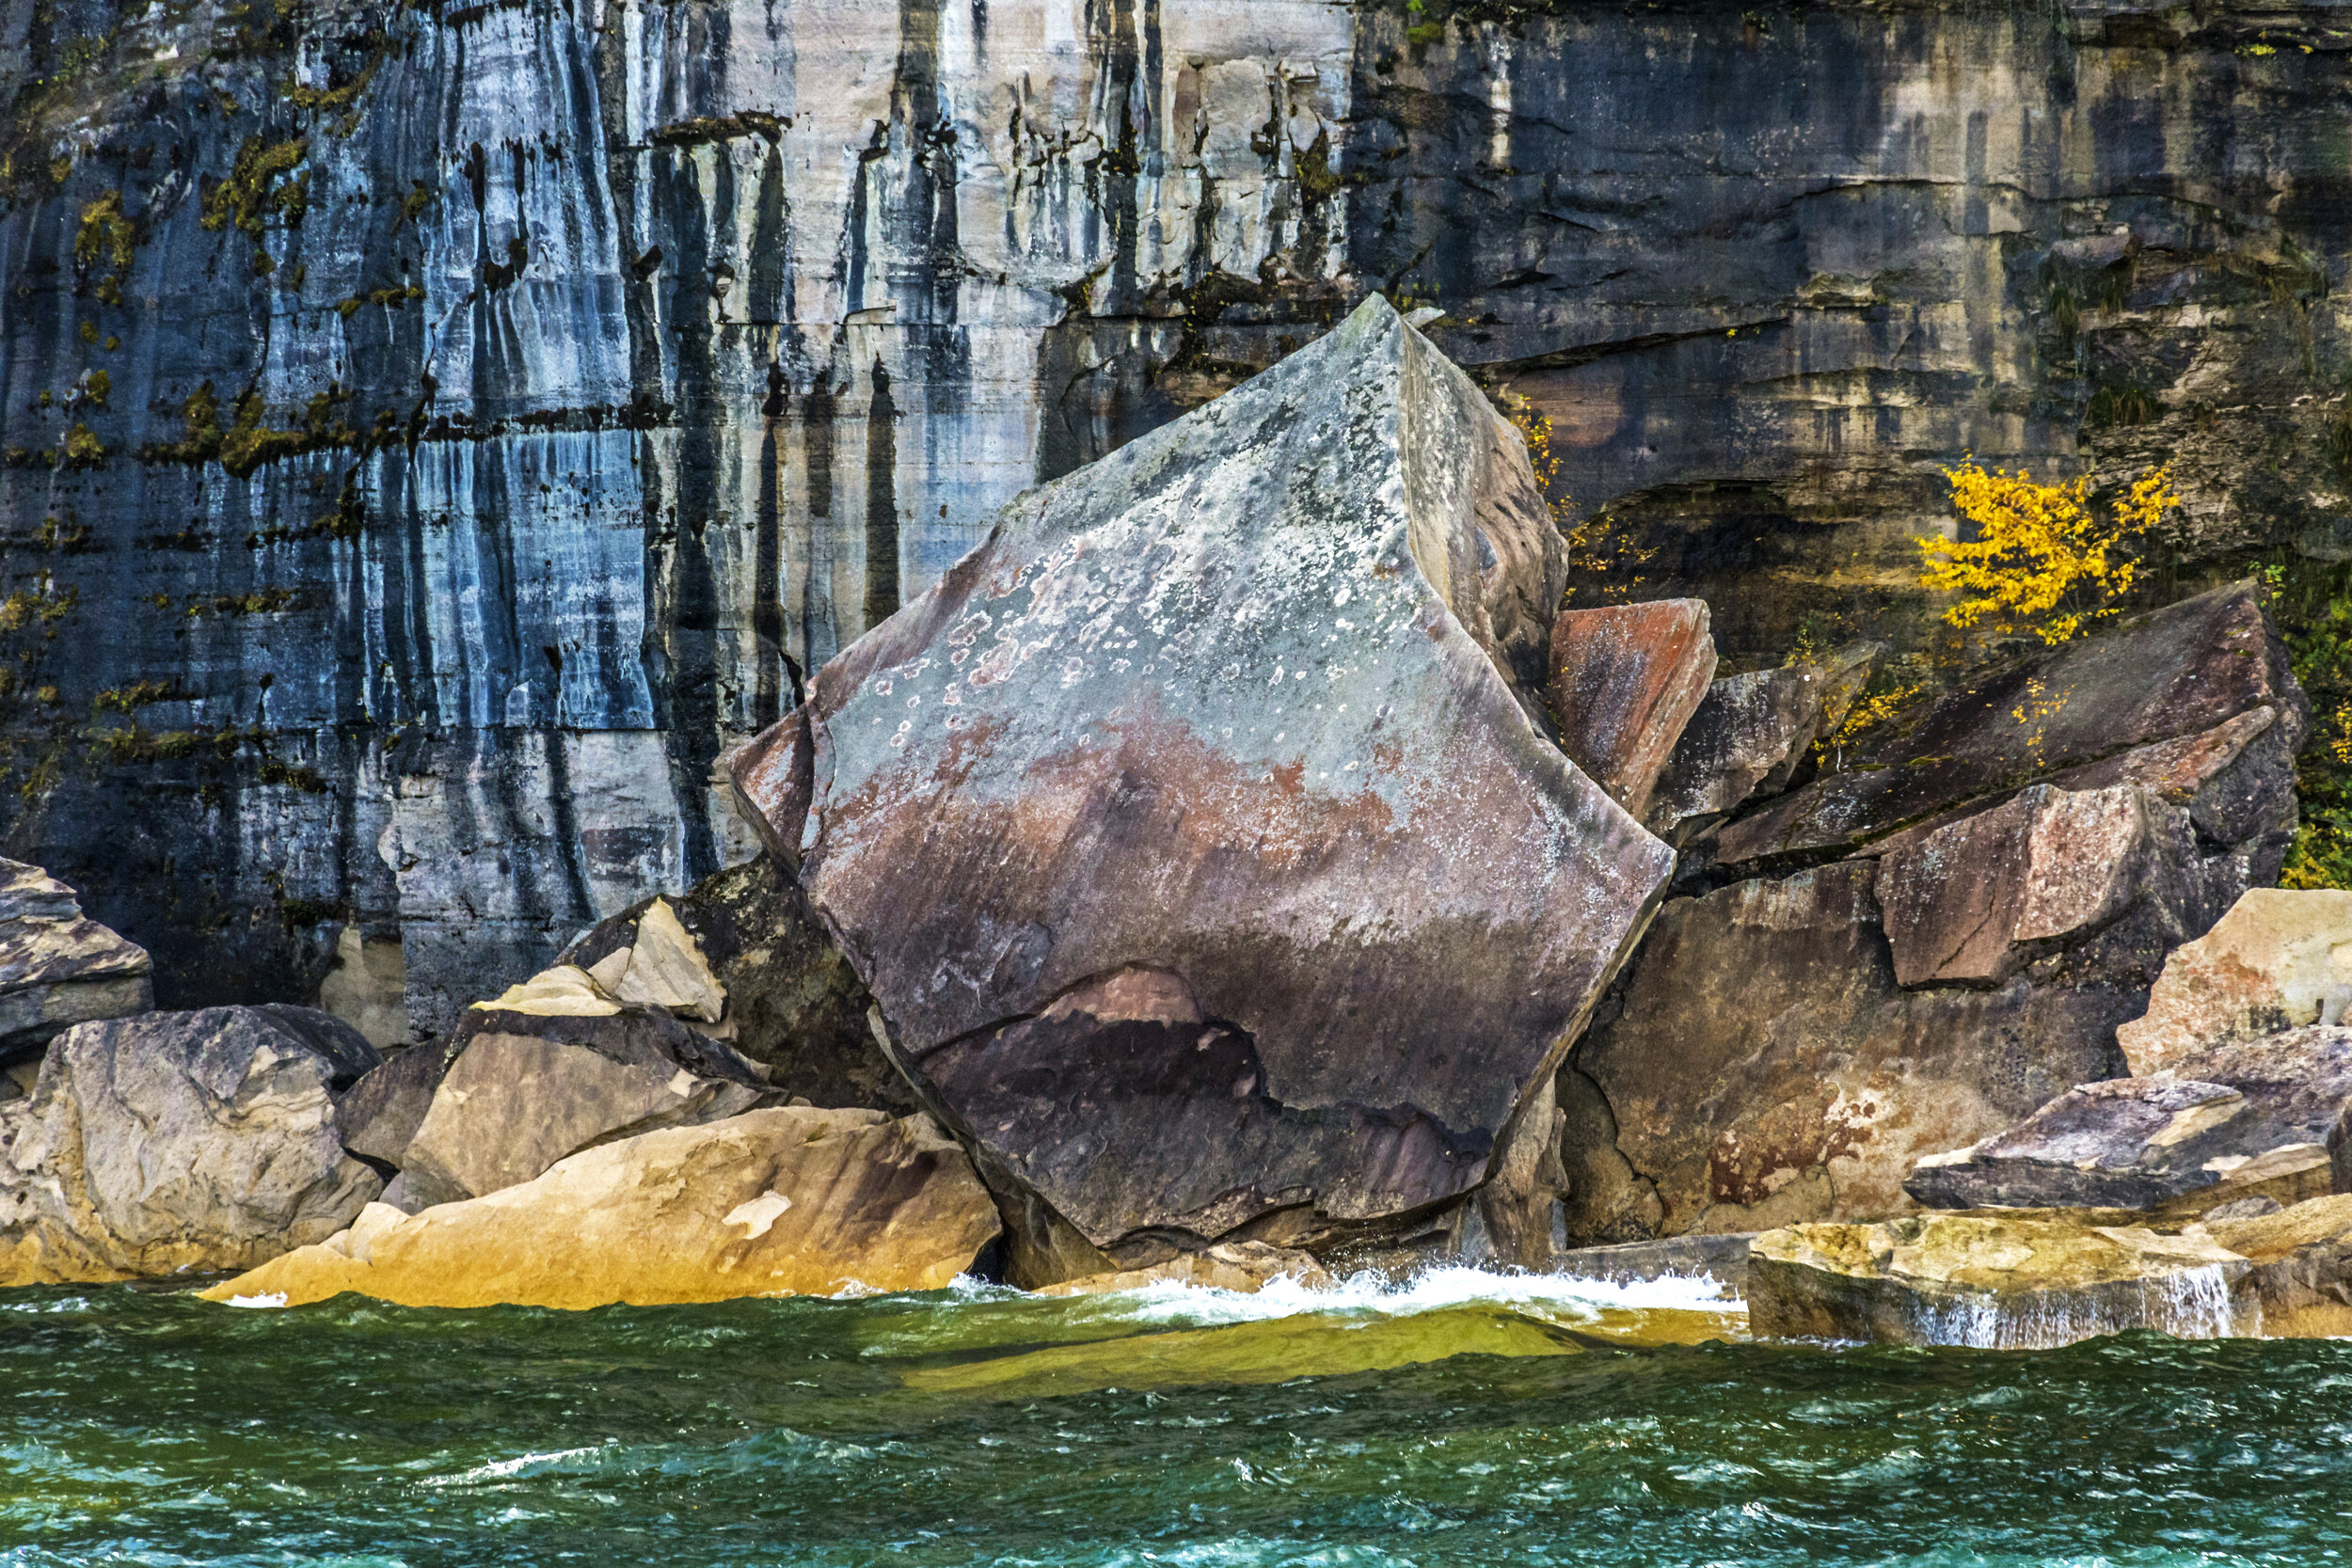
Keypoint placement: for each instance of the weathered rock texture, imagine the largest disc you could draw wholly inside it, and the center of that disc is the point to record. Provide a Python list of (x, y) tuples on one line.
[(2302, 1258), (624, 364), (793, 1002), (1625, 680), (524, 1089), (1991, 890), (774, 1202), (2023, 1282), (176, 1140), (1190, 834), (57, 968), (2279, 958), (2135, 1143), (1753, 734)]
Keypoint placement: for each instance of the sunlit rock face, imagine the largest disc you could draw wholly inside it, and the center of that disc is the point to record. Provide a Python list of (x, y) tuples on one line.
[(627, 362)]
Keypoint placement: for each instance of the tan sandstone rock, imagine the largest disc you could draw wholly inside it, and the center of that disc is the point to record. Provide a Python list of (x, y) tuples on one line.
[(786, 1201), (2279, 958), (1996, 1282), (2302, 1258)]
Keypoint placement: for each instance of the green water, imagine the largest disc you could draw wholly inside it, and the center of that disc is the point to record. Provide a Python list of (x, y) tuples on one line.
[(1475, 1423)]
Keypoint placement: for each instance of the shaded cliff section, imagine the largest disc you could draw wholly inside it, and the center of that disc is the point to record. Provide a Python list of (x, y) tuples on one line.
[(430, 435)]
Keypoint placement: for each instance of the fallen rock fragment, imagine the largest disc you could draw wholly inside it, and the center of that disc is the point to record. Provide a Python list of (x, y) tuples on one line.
[(1625, 681), (2137, 1142), (1750, 735), (1211, 758), (523, 1089), (774, 1202), (58, 969), (2028, 1282), (177, 1141), (2279, 958), (792, 1002), (2173, 700)]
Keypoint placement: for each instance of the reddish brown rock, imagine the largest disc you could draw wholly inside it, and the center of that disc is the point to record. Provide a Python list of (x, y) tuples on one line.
[(1760, 1066), (1231, 708), (1625, 680)]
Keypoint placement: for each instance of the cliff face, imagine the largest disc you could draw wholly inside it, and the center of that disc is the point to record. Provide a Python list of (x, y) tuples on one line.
[(432, 434)]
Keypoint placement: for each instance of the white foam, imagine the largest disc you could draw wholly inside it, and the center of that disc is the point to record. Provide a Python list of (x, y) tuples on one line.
[(1435, 1289), (270, 1298)]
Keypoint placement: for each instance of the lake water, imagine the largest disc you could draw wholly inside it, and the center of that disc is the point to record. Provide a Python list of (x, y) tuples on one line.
[(1468, 1420)]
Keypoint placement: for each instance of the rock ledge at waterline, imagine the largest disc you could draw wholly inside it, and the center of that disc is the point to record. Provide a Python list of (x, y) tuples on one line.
[(786, 1201)]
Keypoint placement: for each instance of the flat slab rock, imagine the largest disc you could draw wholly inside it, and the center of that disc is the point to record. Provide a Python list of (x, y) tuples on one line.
[(1190, 834), (775, 1202), (1995, 1282), (2165, 700), (58, 969), (2135, 1143), (1625, 681)]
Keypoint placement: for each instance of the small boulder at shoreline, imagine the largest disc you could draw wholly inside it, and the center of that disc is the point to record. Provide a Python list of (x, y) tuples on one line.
[(537, 1075), (169, 1142), (57, 968), (1242, 1266), (781, 1201)]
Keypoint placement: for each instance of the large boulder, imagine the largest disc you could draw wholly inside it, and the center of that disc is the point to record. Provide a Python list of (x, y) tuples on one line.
[(550, 1068), (1917, 954), (1995, 1282), (792, 1003), (775, 1202), (1753, 735), (1191, 834), (179, 1141), (2135, 1143), (1625, 681), (57, 968), (2277, 960)]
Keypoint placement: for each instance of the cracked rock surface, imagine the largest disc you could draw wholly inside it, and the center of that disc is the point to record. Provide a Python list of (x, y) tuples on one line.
[(1190, 834)]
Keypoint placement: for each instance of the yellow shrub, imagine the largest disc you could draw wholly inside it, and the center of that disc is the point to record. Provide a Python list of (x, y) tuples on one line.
[(2042, 561), (1597, 546)]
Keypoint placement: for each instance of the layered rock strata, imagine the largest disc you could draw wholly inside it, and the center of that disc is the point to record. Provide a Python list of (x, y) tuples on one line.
[(1191, 835), (2136, 1143), (57, 968)]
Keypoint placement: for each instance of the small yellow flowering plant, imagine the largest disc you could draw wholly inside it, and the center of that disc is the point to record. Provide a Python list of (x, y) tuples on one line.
[(2042, 561)]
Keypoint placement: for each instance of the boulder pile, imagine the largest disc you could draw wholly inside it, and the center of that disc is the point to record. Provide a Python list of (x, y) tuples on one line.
[(1239, 868)]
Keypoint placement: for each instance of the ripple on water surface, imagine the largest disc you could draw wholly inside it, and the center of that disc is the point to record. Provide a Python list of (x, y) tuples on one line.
[(1465, 1418)]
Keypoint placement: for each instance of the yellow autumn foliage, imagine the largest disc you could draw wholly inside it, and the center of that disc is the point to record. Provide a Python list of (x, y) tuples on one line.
[(2043, 561)]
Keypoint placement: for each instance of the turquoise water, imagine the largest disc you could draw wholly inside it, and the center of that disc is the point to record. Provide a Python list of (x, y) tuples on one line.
[(1471, 1421)]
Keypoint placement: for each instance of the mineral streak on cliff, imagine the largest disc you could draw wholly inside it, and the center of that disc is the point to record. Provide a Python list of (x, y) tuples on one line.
[(431, 433)]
